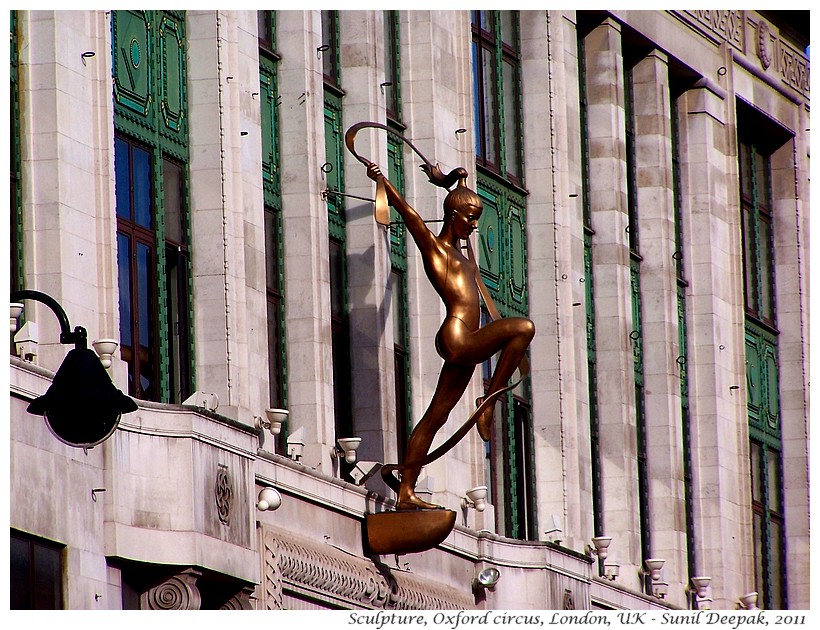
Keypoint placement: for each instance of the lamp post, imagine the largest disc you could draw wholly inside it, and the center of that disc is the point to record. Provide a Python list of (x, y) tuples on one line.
[(82, 407)]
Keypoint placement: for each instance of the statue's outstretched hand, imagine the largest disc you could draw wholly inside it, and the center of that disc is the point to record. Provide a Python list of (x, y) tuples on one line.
[(374, 172)]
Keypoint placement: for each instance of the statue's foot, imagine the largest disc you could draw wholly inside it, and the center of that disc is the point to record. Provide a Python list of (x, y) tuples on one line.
[(412, 502), (485, 420)]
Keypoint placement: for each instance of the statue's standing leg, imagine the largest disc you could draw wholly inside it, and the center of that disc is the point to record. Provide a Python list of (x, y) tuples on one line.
[(452, 382), (510, 358)]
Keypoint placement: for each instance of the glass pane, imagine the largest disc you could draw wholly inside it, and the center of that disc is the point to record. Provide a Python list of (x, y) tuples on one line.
[(749, 258), (124, 281), (756, 466), (337, 304), (47, 578), (477, 101), (762, 178), (263, 21), (760, 581), (397, 308), (766, 298), (490, 105), (20, 576), (745, 170), (176, 275), (274, 354), (142, 187), (773, 468), (329, 40), (145, 322), (122, 170), (271, 251), (512, 140), (776, 567), (508, 28), (172, 201)]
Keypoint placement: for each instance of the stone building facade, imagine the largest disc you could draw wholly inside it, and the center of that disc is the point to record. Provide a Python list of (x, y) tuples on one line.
[(179, 182)]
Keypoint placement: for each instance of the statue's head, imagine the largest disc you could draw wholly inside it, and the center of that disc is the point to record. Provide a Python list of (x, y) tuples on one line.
[(460, 198)]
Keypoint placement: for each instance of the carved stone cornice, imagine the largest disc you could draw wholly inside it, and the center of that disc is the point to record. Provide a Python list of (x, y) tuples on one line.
[(326, 574)]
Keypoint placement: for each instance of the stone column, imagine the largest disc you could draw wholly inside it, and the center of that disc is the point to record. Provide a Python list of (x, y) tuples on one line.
[(227, 214), (68, 175), (368, 248), (656, 220), (791, 258), (613, 306), (549, 48), (712, 259), (305, 234)]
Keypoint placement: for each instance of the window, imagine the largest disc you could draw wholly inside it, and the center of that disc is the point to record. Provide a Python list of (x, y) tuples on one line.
[(151, 184), (337, 225), (274, 242), (758, 264), (136, 261), (392, 81), (497, 93), (502, 256), (36, 578), (589, 303), (682, 357), (762, 371), (398, 234), (401, 363), (331, 68)]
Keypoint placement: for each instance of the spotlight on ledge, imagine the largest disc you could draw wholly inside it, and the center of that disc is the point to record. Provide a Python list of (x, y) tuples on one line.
[(347, 447), (487, 579), (272, 421), (653, 568), (476, 498), (748, 601), (269, 499), (600, 546)]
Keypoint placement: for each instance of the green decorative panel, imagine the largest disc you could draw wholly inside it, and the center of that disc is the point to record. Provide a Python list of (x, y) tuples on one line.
[(334, 164), (132, 67), (172, 74), (490, 234), (636, 335), (398, 231), (517, 231), (270, 137), (762, 380), (502, 245)]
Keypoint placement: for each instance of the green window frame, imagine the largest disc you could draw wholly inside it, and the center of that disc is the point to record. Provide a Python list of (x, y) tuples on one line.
[(150, 113), (272, 195), (497, 122), (16, 267)]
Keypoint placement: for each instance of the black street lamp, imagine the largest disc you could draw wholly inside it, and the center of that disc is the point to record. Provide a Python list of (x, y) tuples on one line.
[(82, 407)]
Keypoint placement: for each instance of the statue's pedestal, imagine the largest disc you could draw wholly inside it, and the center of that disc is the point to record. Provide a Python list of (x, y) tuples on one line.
[(409, 531)]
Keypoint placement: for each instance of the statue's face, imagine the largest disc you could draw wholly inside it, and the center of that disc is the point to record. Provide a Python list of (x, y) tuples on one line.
[(465, 217)]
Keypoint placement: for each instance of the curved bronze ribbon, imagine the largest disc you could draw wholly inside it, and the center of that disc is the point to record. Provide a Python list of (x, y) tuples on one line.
[(434, 173), (437, 177)]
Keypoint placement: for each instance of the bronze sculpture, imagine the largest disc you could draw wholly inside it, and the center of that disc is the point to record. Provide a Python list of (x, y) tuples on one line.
[(461, 340)]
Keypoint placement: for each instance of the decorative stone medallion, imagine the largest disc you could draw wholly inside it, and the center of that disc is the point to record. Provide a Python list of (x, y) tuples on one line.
[(764, 52), (223, 491)]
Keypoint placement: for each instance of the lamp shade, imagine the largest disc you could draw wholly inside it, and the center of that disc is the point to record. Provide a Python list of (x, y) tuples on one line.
[(82, 407)]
